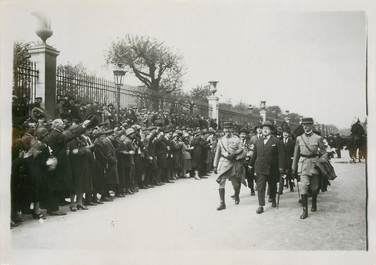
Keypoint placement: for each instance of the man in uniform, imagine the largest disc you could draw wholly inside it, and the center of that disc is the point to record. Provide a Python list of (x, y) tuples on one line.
[(308, 148), (268, 161), (227, 163)]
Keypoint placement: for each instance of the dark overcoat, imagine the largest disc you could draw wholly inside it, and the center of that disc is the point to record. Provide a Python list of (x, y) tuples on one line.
[(105, 155), (268, 158), (81, 173)]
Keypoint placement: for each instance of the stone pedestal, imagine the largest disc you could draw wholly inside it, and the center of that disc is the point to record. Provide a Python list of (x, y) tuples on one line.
[(213, 108), (45, 58), (263, 115)]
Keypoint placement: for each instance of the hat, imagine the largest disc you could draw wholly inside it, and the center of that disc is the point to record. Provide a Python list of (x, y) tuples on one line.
[(136, 127), (286, 129), (243, 130), (129, 131), (41, 132), (267, 124), (227, 125), (307, 121), (73, 126), (108, 131), (258, 125), (159, 123), (57, 123)]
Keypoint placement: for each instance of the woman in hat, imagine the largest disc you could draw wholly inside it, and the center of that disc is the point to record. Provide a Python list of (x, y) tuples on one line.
[(79, 160)]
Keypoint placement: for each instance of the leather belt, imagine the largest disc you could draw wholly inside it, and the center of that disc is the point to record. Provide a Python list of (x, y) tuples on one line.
[(226, 157), (309, 156)]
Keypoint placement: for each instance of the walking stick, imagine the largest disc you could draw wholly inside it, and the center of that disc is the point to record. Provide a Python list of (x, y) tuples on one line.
[(297, 185), (278, 189)]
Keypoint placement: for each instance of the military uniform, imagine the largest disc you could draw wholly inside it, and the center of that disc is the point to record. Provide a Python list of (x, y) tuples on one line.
[(308, 148), (228, 165)]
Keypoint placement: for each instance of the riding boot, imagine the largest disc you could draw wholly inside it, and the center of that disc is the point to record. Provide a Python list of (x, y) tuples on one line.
[(222, 204), (237, 192), (314, 202), (305, 207)]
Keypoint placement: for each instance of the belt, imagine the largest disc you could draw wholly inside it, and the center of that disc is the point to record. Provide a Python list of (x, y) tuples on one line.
[(226, 157), (309, 156)]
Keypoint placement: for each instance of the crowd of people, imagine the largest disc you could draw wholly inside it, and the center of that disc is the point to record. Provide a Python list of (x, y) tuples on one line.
[(89, 155)]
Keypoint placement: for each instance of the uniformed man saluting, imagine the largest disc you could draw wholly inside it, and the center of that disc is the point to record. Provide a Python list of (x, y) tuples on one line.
[(308, 148)]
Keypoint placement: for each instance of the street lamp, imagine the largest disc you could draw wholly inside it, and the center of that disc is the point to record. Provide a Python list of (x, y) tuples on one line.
[(119, 73), (263, 110), (263, 104), (213, 87), (287, 118)]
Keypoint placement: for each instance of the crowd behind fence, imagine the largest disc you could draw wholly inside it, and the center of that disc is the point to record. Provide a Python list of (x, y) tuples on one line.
[(88, 89)]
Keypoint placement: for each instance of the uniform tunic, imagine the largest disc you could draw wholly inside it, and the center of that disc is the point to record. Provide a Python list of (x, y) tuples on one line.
[(307, 150), (229, 168)]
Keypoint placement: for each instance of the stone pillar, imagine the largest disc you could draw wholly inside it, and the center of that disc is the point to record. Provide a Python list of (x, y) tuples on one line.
[(45, 58), (263, 115), (213, 108)]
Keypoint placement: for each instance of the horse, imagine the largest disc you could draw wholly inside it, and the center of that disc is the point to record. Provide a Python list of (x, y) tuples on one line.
[(357, 147)]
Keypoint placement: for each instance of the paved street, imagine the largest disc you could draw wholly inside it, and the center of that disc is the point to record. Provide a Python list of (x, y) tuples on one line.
[(182, 216)]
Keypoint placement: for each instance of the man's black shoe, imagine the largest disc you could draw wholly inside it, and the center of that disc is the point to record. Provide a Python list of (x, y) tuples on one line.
[(260, 210)]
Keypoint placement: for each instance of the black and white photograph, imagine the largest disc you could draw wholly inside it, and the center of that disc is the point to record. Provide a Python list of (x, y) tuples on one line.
[(187, 132)]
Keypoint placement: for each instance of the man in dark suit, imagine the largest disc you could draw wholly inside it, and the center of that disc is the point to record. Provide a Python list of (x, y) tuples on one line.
[(251, 171), (268, 161), (289, 145)]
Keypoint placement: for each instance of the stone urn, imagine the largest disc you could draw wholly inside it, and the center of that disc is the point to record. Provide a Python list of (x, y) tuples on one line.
[(44, 34)]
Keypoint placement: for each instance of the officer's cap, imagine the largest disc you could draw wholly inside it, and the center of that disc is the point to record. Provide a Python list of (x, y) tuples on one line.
[(307, 121), (268, 124), (129, 131), (243, 130), (228, 125)]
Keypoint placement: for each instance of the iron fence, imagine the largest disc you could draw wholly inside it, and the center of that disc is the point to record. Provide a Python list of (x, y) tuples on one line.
[(24, 81), (87, 88)]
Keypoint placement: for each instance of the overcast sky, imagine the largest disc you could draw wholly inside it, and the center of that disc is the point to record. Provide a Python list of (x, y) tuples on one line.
[(310, 63)]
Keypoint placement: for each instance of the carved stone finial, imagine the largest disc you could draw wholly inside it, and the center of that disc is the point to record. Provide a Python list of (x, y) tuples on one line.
[(44, 26)]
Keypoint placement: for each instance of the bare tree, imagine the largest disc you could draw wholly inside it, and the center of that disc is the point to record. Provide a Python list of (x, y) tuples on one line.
[(152, 62), (200, 93)]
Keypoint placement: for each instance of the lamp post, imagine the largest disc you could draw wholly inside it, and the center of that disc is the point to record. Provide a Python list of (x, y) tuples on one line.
[(287, 118), (263, 110), (213, 102), (119, 73)]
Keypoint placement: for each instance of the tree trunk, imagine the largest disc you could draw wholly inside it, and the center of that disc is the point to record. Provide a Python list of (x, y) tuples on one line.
[(155, 99)]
